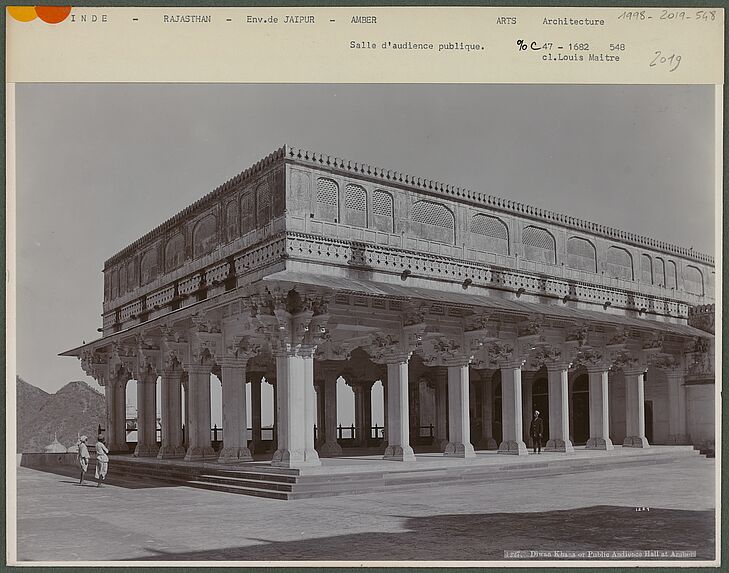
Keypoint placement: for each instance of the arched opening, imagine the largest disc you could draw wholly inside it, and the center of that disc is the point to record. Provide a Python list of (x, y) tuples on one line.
[(475, 407), (377, 404), (184, 409), (581, 410), (216, 411), (268, 416), (497, 417), (540, 401), (158, 413), (345, 412)]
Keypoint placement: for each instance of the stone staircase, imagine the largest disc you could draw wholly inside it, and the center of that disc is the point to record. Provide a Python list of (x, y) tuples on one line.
[(261, 480)]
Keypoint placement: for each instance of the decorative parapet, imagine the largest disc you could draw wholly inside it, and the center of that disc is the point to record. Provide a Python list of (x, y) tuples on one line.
[(208, 199)]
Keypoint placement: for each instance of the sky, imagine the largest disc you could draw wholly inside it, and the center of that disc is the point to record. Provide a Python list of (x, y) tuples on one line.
[(99, 165)]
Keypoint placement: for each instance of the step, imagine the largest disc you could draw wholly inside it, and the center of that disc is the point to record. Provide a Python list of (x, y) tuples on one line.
[(257, 492), (244, 482)]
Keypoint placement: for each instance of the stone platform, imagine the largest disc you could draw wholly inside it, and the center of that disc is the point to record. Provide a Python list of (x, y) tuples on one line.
[(365, 471)]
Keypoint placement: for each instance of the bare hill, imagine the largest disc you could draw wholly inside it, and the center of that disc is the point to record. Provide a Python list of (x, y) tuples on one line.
[(75, 408)]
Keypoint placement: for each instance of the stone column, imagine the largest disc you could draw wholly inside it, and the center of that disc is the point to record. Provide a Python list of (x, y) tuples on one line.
[(511, 412), (120, 417), (559, 414), (676, 408), (319, 436), (271, 379), (186, 436), (527, 380), (198, 384), (171, 410), (634, 409), (599, 410), (294, 395), (362, 411), (256, 437), (459, 423), (309, 409), (398, 418), (358, 411), (487, 413), (330, 448), (385, 409), (441, 408), (115, 431), (147, 414), (235, 422)]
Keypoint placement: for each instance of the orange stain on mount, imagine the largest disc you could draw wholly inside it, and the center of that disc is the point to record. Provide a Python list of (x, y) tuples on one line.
[(22, 13), (53, 14)]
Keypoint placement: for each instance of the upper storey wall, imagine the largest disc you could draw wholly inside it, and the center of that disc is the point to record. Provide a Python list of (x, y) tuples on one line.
[(301, 192), (353, 202), (237, 214)]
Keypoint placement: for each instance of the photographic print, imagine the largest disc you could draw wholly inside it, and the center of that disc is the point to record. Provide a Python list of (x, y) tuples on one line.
[(291, 323)]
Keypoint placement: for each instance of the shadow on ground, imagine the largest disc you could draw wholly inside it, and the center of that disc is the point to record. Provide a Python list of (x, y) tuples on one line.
[(89, 480), (486, 537)]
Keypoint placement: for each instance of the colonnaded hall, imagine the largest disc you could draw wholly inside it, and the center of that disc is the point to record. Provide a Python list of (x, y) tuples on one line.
[(472, 310)]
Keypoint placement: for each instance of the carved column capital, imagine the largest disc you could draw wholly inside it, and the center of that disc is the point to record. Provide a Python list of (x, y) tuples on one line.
[(387, 348), (498, 354), (444, 351), (628, 362), (96, 365), (291, 322), (551, 356), (592, 359)]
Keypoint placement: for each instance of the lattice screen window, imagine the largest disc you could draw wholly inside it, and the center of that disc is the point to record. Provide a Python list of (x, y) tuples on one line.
[(646, 269), (619, 263), (327, 192), (148, 267), (581, 254), (174, 252), (693, 280), (247, 213), (122, 279), (355, 198), (580, 248), (489, 227), (432, 214), (264, 203), (382, 203), (671, 281), (534, 237), (131, 276), (659, 271)]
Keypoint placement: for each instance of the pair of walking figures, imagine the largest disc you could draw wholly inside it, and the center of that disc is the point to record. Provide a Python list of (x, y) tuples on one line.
[(102, 459)]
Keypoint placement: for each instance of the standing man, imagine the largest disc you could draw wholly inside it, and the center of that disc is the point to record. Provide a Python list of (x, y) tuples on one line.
[(83, 457), (536, 429)]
